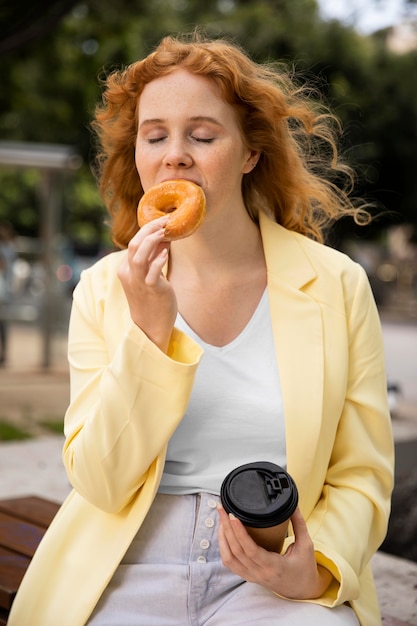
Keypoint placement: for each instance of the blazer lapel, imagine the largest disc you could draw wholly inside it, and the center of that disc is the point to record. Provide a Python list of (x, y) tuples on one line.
[(298, 336)]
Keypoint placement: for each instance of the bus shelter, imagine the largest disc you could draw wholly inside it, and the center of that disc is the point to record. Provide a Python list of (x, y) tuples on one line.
[(52, 160)]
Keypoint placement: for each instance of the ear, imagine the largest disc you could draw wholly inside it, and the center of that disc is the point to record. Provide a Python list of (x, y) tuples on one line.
[(251, 161)]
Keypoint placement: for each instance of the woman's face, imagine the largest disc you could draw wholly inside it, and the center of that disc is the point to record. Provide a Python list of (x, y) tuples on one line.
[(186, 130)]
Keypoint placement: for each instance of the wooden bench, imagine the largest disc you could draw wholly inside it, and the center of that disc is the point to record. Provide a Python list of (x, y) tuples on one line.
[(23, 522)]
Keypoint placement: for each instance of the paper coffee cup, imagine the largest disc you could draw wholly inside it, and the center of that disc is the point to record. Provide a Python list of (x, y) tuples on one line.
[(263, 496)]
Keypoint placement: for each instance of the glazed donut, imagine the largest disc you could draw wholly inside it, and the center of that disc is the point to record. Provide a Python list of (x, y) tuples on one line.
[(182, 200)]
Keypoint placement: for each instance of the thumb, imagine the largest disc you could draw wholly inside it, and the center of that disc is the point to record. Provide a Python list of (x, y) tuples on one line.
[(299, 527)]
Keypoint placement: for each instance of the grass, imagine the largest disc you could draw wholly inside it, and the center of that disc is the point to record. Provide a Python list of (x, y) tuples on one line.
[(55, 426), (9, 432)]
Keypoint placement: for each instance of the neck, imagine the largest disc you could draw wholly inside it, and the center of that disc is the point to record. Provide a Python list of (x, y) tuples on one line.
[(211, 248)]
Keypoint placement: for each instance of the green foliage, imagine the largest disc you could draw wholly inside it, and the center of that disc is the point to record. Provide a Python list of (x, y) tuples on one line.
[(10, 432), (54, 426), (19, 199), (50, 87)]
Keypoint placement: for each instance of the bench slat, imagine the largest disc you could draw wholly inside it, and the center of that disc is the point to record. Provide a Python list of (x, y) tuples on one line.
[(23, 522), (18, 535), (12, 569), (31, 508)]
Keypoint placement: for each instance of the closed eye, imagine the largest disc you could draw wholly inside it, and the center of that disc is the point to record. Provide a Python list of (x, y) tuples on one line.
[(155, 139), (204, 140)]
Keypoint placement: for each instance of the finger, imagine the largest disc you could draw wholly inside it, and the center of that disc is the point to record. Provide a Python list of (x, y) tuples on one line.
[(241, 545), (142, 253), (156, 266), (298, 523), (145, 262), (223, 543), (159, 222), (226, 535), (227, 552), (302, 536), (149, 230), (226, 525), (250, 561)]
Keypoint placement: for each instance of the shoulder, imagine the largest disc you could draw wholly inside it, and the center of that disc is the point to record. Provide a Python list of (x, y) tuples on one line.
[(292, 254), (328, 276), (340, 281), (334, 269), (101, 278), (326, 258), (106, 266)]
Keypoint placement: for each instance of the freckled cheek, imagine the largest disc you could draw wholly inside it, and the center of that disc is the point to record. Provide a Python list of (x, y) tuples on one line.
[(139, 158), (145, 164), (224, 165)]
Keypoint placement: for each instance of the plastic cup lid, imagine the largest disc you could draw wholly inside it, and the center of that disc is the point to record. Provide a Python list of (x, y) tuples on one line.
[(260, 494)]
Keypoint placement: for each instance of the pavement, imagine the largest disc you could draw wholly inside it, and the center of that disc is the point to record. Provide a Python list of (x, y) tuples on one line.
[(32, 395)]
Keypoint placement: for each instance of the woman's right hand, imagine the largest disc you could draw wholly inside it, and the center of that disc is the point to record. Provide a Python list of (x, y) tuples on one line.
[(151, 298)]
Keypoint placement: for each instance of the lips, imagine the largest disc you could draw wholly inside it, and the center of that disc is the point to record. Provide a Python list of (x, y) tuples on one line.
[(180, 178)]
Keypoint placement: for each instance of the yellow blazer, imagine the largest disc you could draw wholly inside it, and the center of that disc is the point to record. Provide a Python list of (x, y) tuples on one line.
[(127, 398)]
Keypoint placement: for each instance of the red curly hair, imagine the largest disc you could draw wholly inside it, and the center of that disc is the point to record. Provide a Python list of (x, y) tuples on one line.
[(294, 180)]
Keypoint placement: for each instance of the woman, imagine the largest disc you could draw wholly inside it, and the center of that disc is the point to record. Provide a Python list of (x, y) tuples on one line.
[(249, 340)]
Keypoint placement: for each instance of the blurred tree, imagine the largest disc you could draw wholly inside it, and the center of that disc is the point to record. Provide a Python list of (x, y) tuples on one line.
[(50, 87), (22, 22)]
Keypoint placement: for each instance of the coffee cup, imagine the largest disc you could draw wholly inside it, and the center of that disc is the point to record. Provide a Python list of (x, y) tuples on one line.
[(263, 496)]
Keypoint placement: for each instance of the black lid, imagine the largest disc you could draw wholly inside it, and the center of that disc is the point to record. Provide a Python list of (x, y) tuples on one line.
[(260, 494)]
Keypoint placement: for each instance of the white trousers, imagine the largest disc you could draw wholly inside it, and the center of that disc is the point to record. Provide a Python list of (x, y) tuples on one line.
[(172, 575)]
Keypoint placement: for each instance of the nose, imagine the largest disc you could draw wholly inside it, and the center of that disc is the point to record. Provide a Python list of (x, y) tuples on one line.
[(177, 155)]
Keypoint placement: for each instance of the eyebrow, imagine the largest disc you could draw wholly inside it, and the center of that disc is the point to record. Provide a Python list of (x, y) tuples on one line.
[(197, 118)]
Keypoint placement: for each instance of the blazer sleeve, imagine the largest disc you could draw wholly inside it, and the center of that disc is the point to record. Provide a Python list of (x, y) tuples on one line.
[(127, 396), (349, 521)]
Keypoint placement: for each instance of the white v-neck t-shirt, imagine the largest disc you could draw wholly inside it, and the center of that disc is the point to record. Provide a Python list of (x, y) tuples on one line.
[(235, 414)]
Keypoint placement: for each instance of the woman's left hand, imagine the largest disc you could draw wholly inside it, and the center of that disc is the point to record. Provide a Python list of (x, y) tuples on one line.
[(294, 574)]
